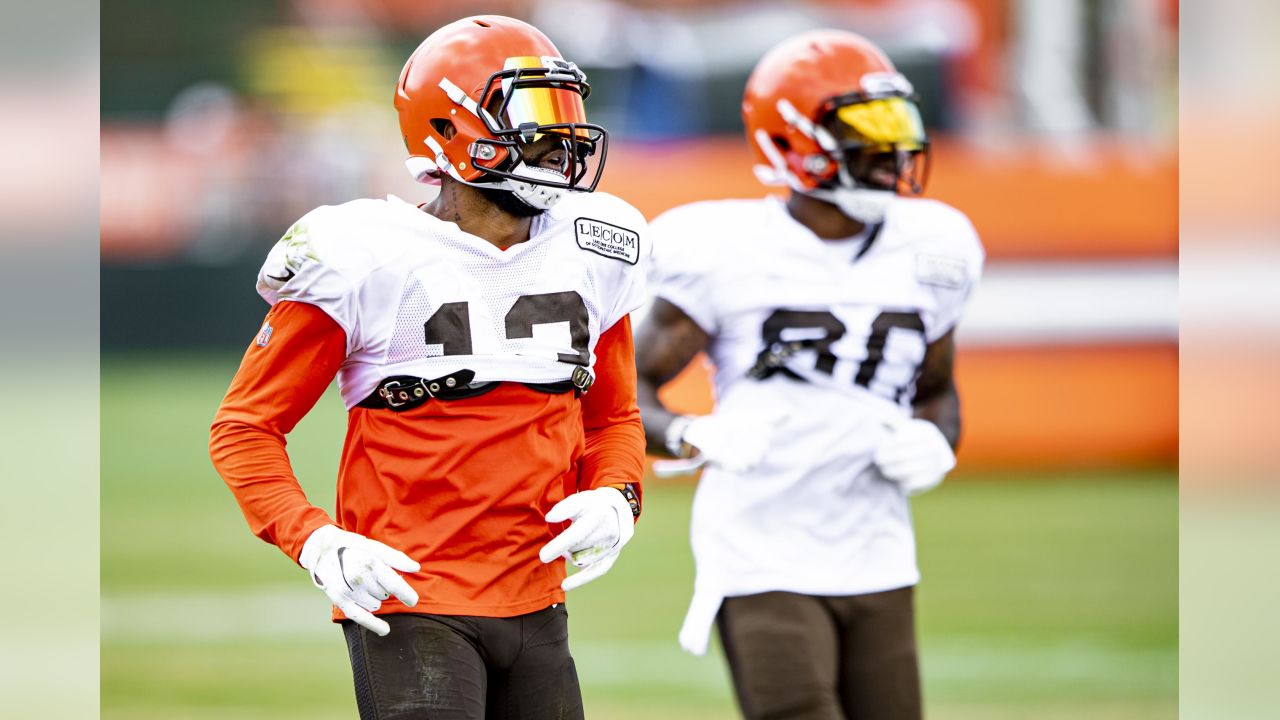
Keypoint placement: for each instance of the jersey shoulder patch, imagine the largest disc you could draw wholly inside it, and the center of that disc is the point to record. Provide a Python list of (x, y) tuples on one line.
[(605, 225), (947, 255), (606, 239)]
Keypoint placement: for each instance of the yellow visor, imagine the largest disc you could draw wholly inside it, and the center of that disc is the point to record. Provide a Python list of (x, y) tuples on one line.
[(891, 123), (530, 100)]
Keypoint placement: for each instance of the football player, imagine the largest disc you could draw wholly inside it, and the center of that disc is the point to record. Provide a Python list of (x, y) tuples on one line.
[(482, 347), (830, 318)]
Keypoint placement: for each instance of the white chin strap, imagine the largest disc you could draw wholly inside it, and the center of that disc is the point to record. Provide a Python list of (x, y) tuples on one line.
[(539, 197), (861, 204), (864, 204), (423, 170)]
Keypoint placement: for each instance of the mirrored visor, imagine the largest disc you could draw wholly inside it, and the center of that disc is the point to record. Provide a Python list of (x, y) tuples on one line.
[(540, 99), (891, 123)]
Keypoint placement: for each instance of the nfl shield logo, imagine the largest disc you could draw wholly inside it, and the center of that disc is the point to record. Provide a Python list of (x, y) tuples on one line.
[(264, 337)]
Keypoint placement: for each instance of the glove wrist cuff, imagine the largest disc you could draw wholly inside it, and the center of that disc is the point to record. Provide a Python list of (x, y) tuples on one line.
[(315, 544), (626, 519), (674, 438)]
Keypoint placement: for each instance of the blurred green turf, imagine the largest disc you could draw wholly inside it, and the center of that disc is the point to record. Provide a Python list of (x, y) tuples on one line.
[(1045, 597)]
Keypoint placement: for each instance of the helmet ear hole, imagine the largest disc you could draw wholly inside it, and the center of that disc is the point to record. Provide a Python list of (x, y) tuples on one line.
[(781, 142), (444, 127)]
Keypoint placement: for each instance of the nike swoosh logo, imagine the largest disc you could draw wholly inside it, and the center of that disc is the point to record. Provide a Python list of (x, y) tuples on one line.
[(342, 569), (288, 275)]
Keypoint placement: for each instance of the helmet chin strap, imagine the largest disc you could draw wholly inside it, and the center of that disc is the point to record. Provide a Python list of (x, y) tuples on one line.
[(861, 204), (534, 194)]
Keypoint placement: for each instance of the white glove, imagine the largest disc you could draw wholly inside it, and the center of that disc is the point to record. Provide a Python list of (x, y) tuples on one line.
[(735, 441), (357, 573), (601, 524), (915, 454)]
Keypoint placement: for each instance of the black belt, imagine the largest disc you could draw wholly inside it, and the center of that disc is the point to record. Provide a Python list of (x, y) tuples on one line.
[(405, 392)]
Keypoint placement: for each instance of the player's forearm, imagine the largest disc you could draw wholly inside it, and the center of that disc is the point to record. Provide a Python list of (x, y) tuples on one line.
[(253, 463), (281, 377), (657, 419), (614, 450), (943, 410), (614, 455), (669, 340)]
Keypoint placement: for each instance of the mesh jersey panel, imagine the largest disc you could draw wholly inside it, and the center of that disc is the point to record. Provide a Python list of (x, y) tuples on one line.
[(498, 285)]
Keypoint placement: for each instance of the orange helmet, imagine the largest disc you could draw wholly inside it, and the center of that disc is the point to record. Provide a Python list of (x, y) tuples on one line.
[(480, 89), (829, 116)]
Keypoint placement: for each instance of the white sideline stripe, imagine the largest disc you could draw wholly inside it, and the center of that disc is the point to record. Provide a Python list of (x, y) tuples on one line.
[(1229, 286), (1028, 303), (1089, 661), (290, 614), (213, 617)]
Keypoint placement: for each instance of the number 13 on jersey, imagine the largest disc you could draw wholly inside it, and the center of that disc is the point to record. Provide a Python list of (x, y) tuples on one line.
[(450, 325)]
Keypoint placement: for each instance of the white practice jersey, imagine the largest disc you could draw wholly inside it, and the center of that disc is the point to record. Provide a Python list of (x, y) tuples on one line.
[(837, 330), (418, 296)]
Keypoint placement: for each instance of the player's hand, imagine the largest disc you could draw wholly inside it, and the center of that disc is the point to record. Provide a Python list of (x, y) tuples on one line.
[(735, 441), (915, 454), (601, 523), (357, 573)]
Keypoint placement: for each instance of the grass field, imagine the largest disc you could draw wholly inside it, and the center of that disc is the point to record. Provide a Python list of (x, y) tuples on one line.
[(1044, 597)]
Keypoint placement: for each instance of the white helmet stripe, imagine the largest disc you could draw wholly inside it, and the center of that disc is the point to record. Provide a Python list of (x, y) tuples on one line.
[(781, 173), (456, 94), (825, 140), (795, 119)]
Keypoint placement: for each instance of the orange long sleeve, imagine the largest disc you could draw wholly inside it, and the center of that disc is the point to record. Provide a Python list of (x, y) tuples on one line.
[(283, 373), (614, 451)]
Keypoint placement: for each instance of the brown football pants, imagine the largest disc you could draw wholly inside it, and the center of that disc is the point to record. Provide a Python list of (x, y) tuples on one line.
[(453, 667), (823, 658)]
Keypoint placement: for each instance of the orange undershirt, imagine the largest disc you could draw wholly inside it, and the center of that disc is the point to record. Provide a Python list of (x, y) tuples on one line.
[(462, 486)]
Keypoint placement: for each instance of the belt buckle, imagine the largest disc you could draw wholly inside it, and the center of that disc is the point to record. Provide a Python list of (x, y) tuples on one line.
[(581, 379), (396, 394)]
